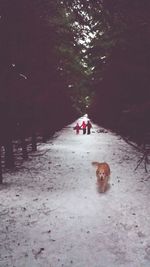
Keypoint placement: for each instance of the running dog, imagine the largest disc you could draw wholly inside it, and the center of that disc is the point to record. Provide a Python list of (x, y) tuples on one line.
[(103, 174)]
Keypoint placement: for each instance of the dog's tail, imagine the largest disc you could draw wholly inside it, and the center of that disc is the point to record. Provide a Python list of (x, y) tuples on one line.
[(95, 163)]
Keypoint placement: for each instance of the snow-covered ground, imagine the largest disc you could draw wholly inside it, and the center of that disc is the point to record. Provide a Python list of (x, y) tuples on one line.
[(52, 215)]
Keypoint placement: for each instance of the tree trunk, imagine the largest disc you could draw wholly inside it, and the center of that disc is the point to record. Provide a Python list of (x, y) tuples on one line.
[(1, 177), (24, 148), (34, 144), (9, 157)]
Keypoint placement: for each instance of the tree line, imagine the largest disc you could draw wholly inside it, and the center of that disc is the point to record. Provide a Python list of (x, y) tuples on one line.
[(120, 57), (40, 65)]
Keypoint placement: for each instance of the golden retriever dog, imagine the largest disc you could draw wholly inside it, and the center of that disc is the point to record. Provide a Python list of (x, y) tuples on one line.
[(103, 174)]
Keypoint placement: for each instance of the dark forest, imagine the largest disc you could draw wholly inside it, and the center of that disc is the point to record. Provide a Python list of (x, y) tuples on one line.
[(62, 59)]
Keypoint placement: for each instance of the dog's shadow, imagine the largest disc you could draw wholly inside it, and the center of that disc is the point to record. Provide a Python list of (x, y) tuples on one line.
[(107, 189)]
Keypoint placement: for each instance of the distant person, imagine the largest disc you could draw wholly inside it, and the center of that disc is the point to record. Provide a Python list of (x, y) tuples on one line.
[(83, 126), (89, 126), (77, 128)]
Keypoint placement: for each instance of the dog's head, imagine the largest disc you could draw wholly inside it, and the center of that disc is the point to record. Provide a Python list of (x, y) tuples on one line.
[(102, 171)]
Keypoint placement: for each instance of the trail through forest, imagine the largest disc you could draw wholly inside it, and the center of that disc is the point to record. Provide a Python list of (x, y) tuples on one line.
[(52, 215)]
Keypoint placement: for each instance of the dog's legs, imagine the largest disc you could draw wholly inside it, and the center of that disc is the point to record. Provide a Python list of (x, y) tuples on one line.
[(102, 189)]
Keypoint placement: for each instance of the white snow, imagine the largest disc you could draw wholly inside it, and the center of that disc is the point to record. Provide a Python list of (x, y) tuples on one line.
[(52, 215)]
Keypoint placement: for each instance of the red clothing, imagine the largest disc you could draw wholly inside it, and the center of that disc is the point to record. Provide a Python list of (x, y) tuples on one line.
[(83, 125), (77, 128)]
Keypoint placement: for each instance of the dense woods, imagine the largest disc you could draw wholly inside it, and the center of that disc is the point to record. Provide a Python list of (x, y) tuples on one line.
[(60, 59), (40, 60), (120, 56)]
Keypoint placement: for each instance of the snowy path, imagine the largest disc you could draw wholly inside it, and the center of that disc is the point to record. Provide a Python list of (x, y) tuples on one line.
[(51, 214)]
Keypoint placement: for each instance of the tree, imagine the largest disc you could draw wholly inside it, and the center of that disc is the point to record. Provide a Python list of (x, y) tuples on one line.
[(120, 55), (40, 58)]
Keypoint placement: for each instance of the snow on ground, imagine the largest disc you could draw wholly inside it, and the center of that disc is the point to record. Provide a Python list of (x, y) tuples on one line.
[(52, 215)]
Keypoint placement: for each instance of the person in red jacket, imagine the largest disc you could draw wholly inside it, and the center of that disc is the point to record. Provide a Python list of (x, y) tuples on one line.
[(77, 128), (83, 126)]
